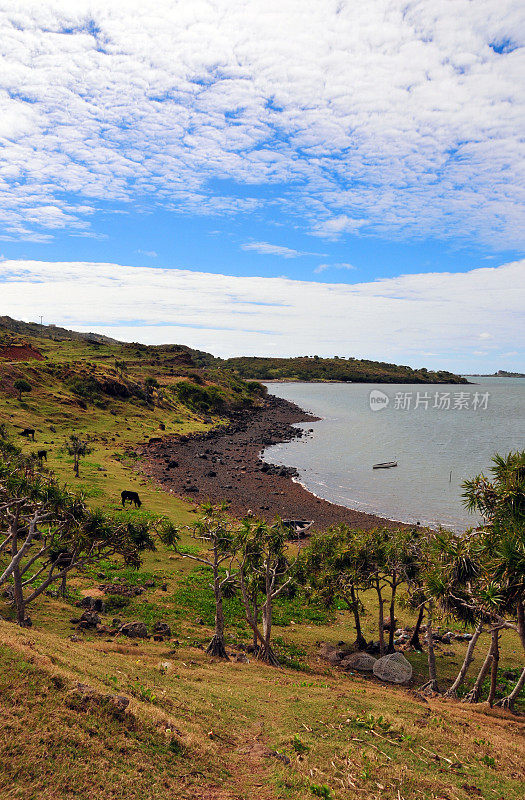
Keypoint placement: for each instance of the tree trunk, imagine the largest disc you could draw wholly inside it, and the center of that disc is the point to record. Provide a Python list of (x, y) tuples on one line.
[(19, 597), (509, 701), (17, 578), (521, 622), (255, 601), (432, 684), (266, 653), (391, 648), (381, 621), (217, 645), (475, 693), (63, 586), (360, 641), (414, 639), (469, 656), (494, 668)]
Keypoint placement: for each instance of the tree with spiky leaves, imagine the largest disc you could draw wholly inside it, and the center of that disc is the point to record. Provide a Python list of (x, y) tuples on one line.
[(501, 502), (330, 570), (78, 448), (46, 531), (216, 531), (262, 553)]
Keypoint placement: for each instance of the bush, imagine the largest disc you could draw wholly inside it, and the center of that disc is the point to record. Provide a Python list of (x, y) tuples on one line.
[(200, 398)]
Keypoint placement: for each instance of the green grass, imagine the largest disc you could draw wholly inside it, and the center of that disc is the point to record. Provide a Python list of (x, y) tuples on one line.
[(201, 728)]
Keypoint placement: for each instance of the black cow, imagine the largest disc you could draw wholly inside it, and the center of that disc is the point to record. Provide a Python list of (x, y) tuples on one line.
[(133, 497), (29, 432), (41, 455)]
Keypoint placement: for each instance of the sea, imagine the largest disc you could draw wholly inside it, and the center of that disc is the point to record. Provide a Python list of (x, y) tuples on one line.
[(440, 435)]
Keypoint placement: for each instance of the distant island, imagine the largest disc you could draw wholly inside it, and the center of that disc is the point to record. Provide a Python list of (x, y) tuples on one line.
[(501, 373)]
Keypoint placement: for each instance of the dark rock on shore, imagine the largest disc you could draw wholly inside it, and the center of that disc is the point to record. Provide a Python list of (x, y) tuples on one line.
[(238, 475)]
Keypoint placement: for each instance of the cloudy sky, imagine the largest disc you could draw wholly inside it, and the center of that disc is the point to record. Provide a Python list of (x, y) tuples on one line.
[(268, 176)]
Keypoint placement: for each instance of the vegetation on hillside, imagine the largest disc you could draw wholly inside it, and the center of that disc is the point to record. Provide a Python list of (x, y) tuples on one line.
[(350, 370), (96, 712)]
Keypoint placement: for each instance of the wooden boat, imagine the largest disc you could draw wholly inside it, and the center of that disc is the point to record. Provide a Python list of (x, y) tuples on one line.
[(297, 527), (385, 465)]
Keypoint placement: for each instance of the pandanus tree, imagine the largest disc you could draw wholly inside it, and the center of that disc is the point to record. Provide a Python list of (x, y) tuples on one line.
[(390, 557), (78, 448), (262, 554), (501, 502), (450, 579), (47, 531), (216, 532), (330, 570)]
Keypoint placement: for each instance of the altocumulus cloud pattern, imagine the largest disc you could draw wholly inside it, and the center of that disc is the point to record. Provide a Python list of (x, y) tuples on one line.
[(379, 117)]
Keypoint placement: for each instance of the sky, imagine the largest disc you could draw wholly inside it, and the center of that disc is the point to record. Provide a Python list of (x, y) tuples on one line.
[(269, 177)]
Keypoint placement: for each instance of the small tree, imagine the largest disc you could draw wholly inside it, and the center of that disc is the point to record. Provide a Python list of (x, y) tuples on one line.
[(216, 531), (21, 385), (77, 448), (262, 553)]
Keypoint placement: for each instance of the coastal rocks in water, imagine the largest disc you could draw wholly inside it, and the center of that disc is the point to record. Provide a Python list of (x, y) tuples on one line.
[(363, 662), (393, 668), (277, 469), (135, 630)]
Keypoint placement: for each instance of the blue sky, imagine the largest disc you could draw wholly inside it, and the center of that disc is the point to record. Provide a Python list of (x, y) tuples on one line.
[(337, 144)]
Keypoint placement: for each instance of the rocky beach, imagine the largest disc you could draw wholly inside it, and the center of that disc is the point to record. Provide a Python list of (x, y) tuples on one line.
[(224, 464)]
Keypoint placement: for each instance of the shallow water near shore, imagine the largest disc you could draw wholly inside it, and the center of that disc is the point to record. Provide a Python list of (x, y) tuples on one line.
[(436, 448)]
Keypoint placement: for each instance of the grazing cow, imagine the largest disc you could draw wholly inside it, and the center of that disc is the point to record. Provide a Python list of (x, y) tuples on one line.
[(29, 432), (41, 455), (132, 497)]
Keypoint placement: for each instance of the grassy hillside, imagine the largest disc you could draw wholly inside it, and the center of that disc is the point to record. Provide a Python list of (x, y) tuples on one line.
[(314, 368), (200, 728), (196, 727), (99, 390)]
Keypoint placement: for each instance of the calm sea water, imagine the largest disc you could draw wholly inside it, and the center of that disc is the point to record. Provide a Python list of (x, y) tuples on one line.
[(436, 447)]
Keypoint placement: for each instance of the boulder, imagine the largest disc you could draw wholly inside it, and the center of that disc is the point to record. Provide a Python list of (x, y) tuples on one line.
[(89, 620), (363, 662), (135, 630), (162, 629), (393, 668), (95, 604), (329, 652)]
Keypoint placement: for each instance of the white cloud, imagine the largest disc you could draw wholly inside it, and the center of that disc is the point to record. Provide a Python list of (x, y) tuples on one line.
[(393, 319), (148, 253), (267, 249), (339, 265), (378, 117)]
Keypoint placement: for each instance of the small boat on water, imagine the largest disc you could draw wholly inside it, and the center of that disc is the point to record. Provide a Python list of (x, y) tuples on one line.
[(385, 465), (297, 527)]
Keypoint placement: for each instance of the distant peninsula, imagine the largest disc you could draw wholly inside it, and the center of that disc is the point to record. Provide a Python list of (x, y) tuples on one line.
[(337, 369)]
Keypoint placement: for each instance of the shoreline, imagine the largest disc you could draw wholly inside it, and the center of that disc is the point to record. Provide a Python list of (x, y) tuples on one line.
[(224, 464)]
